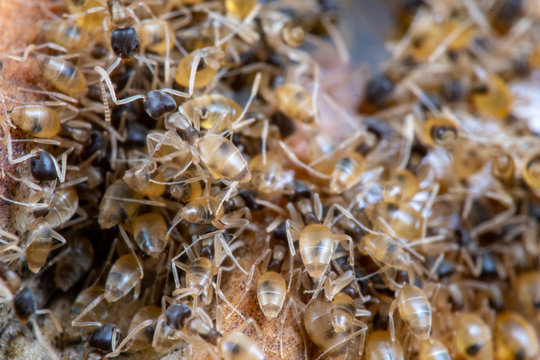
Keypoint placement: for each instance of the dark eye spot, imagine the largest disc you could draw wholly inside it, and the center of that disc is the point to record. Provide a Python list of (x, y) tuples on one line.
[(473, 349)]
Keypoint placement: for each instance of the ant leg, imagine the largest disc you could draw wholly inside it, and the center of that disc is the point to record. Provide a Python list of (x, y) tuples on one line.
[(239, 223), (292, 234), (61, 171), (113, 66), (229, 252), (282, 326), (129, 336), (250, 278), (159, 324), (254, 90), (295, 215), (340, 343), (77, 321), (474, 268), (21, 159), (126, 239), (182, 293), (349, 240), (58, 237), (317, 206), (6, 295), (363, 328), (294, 159), (53, 318), (238, 29), (192, 73), (330, 218), (167, 63), (238, 126), (42, 341), (435, 266), (177, 264), (224, 298), (391, 310), (248, 322), (228, 194), (291, 271), (105, 100), (105, 77)]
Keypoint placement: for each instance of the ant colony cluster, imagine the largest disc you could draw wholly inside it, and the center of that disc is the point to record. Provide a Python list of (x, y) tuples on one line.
[(189, 158)]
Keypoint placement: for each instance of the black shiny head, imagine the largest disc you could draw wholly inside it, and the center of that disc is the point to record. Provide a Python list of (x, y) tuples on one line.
[(301, 190), (105, 338), (445, 269), (42, 167), (284, 123), (489, 267), (124, 42), (452, 91), (136, 134), (158, 103), (96, 144), (378, 90), (473, 349), (177, 315), (24, 304), (280, 232), (249, 199)]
